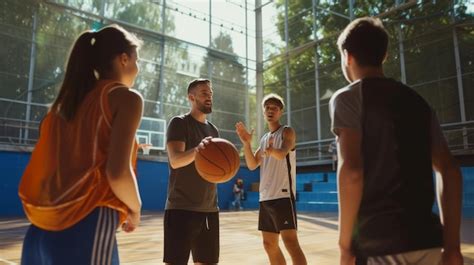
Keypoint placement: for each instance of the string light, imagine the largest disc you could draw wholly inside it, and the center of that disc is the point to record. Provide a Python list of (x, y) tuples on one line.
[(203, 17)]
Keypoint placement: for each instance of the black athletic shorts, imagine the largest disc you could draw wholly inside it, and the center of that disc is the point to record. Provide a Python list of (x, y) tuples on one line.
[(277, 215), (188, 231)]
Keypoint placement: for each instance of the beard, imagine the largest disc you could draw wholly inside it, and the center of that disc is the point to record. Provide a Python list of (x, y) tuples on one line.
[(203, 108)]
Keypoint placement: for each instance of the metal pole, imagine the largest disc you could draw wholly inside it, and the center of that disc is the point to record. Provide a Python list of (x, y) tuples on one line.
[(316, 80), (401, 48), (209, 64), (351, 9), (259, 72), (209, 58), (457, 58), (247, 107), (102, 11), (401, 51), (462, 108), (287, 68), (31, 75), (162, 63)]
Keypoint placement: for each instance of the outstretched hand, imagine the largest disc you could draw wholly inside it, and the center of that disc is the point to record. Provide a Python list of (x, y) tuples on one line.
[(244, 135)]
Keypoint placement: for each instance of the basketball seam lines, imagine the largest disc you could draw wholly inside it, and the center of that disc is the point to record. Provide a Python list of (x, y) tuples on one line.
[(213, 163), (226, 158), (211, 174)]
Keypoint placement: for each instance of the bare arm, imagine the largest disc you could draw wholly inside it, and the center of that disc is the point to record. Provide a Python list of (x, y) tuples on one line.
[(127, 108), (252, 160), (350, 183), (449, 190), (288, 144), (177, 156)]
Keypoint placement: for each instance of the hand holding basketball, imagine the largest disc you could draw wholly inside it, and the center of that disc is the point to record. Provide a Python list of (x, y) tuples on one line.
[(202, 144), (217, 160)]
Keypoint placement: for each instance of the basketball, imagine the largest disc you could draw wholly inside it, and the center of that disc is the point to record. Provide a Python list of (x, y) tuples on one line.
[(219, 162)]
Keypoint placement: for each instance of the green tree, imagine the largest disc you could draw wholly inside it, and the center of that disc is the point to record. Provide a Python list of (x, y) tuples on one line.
[(16, 20), (56, 29), (426, 28), (228, 77)]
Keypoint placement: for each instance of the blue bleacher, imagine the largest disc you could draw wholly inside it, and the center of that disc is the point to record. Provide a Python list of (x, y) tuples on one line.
[(468, 198), (313, 206), (326, 196), (300, 187), (320, 194), (317, 192), (468, 211), (468, 192), (468, 185), (323, 187), (308, 177), (251, 196)]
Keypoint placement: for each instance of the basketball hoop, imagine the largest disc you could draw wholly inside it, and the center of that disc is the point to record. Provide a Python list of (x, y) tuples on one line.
[(146, 148)]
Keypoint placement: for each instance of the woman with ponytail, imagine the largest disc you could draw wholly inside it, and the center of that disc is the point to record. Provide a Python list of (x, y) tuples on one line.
[(80, 184)]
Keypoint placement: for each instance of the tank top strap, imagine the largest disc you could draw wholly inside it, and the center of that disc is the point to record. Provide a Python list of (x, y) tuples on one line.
[(104, 100), (105, 108), (283, 128)]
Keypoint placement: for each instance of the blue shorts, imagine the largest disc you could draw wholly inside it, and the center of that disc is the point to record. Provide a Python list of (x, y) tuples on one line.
[(91, 241)]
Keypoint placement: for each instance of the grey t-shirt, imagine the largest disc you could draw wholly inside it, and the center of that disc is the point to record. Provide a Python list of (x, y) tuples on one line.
[(345, 109), (398, 127), (187, 190)]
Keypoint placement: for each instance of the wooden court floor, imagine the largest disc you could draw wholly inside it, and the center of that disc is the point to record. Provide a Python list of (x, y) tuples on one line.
[(240, 240)]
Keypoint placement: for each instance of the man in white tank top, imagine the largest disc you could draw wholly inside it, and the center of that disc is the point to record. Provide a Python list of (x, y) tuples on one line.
[(277, 160)]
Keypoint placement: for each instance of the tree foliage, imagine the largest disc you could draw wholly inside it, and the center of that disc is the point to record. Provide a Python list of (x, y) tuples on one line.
[(426, 31), (222, 66)]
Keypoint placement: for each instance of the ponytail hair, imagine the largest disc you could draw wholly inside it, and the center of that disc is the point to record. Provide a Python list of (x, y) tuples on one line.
[(90, 59)]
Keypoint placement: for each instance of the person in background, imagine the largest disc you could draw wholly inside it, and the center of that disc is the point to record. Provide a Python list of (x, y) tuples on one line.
[(238, 190)]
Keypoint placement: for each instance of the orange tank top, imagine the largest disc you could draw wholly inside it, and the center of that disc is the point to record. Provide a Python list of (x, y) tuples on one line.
[(65, 178)]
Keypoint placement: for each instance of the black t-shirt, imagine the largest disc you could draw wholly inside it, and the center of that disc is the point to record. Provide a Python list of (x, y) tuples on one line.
[(186, 189)]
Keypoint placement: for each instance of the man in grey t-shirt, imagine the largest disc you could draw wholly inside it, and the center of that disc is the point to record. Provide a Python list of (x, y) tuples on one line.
[(191, 221), (389, 140)]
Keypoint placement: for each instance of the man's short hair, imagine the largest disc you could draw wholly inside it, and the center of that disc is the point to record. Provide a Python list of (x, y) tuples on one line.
[(273, 98), (196, 82), (366, 40)]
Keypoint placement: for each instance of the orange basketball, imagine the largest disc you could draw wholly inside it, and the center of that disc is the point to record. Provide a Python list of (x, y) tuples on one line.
[(219, 162)]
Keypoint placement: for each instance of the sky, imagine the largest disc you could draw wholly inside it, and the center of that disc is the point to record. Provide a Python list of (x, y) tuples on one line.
[(227, 16)]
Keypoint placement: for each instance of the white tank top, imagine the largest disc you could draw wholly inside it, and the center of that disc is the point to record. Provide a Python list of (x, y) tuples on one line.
[(277, 177)]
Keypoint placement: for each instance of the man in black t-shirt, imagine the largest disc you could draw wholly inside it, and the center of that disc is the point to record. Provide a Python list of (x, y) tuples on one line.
[(191, 221), (389, 139)]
